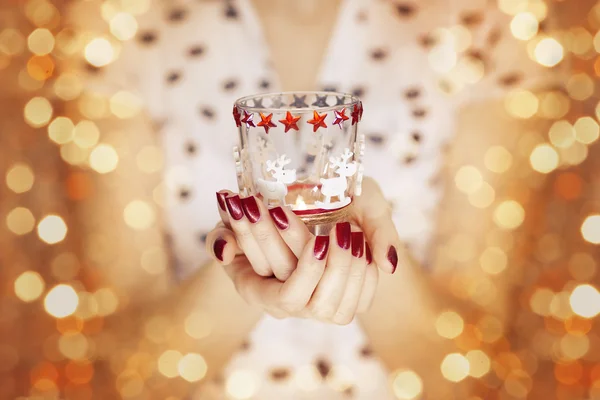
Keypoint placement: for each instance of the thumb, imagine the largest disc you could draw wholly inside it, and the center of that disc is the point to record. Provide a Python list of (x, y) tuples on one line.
[(222, 245), (373, 213)]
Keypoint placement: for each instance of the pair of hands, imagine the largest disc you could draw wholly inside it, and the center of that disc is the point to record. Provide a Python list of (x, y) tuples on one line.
[(278, 265)]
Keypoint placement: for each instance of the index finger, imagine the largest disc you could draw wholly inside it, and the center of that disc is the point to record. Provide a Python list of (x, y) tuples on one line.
[(292, 230)]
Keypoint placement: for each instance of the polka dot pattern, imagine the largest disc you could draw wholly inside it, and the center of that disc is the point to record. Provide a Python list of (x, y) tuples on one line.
[(190, 62)]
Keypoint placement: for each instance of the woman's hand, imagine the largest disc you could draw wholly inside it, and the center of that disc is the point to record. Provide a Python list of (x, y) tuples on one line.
[(334, 278), (272, 240), (262, 243)]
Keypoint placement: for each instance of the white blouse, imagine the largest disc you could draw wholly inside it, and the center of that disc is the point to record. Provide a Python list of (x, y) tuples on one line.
[(413, 64)]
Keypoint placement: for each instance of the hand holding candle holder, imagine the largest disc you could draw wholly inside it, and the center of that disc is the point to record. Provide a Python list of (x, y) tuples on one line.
[(301, 150)]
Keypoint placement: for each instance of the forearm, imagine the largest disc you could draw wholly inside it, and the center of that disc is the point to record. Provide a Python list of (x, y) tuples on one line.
[(204, 316)]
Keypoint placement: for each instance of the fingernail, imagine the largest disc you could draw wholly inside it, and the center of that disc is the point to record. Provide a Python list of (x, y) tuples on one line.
[(393, 257), (342, 232), (251, 209), (368, 255), (279, 218), (218, 248), (234, 205), (321, 246), (358, 244), (221, 199)]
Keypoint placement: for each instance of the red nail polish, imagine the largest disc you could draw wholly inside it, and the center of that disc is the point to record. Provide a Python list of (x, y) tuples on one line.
[(321, 247), (251, 209), (221, 200), (218, 248), (393, 257), (234, 205), (358, 244), (368, 255), (342, 232), (279, 218)]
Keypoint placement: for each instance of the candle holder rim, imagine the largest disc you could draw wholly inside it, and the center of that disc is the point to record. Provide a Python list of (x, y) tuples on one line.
[(353, 101)]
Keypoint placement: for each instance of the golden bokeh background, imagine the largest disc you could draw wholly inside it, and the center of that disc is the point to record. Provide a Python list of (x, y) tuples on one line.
[(55, 160)]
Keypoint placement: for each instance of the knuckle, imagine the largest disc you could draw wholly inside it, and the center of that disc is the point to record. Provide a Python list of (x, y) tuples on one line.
[(321, 312), (262, 270), (243, 234), (342, 318), (262, 236), (290, 306), (357, 272)]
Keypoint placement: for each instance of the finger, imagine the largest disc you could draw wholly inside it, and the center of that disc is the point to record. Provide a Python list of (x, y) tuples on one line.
[(222, 245), (297, 290), (278, 254), (254, 289), (369, 286), (373, 213), (241, 227), (221, 196), (291, 228), (354, 285), (330, 290)]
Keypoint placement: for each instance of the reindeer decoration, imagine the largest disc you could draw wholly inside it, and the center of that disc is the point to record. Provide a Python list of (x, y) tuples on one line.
[(336, 187), (277, 190)]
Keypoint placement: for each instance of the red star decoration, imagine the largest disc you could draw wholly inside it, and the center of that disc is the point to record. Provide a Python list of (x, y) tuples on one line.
[(265, 122), (355, 114), (340, 117), (236, 116), (318, 121), (248, 119), (290, 122)]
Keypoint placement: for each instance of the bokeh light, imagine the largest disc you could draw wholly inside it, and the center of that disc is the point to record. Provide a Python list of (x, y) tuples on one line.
[(524, 26), (29, 286), (544, 158), (455, 367), (590, 229), (509, 214), (479, 363), (60, 130), (192, 367), (449, 324), (99, 52), (38, 112), (61, 301), (52, 229), (521, 103), (168, 363), (587, 130), (407, 385), (468, 179), (20, 178), (104, 158), (20, 221), (125, 104), (548, 52), (123, 26), (585, 301), (40, 42), (139, 215)]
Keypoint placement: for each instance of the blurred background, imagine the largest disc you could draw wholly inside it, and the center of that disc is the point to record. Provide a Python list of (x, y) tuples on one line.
[(55, 160)]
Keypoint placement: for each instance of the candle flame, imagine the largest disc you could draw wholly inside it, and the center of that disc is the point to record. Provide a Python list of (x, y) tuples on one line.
[(300, 204)]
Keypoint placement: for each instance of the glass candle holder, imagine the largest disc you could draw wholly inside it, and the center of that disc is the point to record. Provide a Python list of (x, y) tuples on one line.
[(301, 150)]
